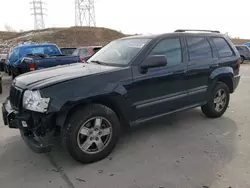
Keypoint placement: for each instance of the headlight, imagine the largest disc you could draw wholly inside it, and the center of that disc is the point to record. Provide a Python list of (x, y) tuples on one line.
[(33, 101)]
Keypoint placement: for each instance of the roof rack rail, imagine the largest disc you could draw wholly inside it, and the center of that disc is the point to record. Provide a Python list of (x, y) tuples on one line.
[(184, 30)]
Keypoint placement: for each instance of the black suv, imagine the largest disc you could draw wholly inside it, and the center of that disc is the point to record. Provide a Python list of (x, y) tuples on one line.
[(129, 81)]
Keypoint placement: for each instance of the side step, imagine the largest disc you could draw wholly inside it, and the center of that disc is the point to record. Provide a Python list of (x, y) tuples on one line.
[(34, 144)]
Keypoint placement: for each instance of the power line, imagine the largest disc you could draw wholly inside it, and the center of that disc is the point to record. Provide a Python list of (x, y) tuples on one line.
[(85, 13), (38, 13)]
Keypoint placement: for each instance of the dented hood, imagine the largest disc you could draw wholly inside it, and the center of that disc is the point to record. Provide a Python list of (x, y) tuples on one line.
[(46, 77)]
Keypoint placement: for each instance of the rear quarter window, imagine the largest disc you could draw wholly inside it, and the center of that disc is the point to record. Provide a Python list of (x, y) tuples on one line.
[(222, 47)]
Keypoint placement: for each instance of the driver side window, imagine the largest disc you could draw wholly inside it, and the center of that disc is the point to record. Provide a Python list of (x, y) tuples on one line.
[(171, 49)]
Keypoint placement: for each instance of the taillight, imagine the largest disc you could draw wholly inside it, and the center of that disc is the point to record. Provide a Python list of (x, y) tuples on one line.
[(238, 64), (32, 67), (82, 61), (249, 51)]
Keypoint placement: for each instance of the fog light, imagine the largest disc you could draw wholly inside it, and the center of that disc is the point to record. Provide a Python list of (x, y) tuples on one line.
[(24, 124)]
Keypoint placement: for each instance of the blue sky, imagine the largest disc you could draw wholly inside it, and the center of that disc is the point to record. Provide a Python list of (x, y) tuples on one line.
[(138, 16)]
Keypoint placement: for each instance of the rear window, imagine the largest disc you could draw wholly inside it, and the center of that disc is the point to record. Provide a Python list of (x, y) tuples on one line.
[(76, 52), (222, 47), (245, 48), (83, 51), (198, 48), (67, 51), (96, 49), (238, 48)]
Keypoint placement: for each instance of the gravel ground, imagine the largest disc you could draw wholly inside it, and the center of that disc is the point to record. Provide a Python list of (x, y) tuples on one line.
[(182, 150)]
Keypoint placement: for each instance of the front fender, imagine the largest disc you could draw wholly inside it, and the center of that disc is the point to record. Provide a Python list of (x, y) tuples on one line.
[(109, 87), (113, 96)]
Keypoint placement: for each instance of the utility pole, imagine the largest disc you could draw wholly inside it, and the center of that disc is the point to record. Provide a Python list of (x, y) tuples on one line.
[(38, 13), (85, 13)]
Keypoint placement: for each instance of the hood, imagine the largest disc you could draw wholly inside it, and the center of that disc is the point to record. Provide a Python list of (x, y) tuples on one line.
[(45, 77)]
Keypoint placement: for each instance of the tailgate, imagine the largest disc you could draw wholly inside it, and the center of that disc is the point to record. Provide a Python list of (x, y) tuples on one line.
[(55, 61)]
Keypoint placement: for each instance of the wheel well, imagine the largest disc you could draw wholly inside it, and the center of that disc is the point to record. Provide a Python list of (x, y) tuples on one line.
[(100, 100), (228, 81)]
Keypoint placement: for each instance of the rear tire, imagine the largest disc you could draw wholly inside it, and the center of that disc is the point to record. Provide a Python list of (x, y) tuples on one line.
[(13, 76), (9, 70), (217, 102), (91, 133), (5, 69), (242, 59)]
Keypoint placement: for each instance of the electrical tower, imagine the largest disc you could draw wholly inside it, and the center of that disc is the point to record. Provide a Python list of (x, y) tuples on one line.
[(85, 13), (38, 13)]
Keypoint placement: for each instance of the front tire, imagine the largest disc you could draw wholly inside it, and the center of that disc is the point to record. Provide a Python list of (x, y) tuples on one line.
[(91, 133), (217, 102)]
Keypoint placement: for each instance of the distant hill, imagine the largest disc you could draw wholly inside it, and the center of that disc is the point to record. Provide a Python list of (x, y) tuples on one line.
[(63, 37), (240, 41), (67, 37)]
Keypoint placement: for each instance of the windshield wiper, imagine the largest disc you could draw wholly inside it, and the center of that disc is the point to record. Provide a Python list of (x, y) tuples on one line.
[(97, 62)]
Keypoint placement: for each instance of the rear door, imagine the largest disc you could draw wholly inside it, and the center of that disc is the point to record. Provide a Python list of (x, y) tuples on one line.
[(201, 61)]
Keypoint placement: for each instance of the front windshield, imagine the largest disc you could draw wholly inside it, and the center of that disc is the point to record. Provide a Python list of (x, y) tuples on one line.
[(119, 52)]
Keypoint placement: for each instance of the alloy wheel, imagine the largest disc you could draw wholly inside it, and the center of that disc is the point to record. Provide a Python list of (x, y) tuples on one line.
[(220, 100), (94, 135)]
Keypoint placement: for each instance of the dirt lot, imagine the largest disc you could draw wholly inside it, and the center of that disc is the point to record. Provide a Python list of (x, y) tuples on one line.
[(183, 150)]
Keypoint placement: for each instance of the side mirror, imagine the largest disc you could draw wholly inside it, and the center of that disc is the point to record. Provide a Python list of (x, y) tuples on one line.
[(153, 62)]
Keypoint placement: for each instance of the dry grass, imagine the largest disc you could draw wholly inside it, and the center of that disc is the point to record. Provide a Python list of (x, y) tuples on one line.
[(240, 41), (68, 37), (65, 37)]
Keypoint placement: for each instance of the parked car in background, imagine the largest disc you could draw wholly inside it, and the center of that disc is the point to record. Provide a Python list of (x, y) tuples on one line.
[(3, 58), (247, 44), (129, 81), (30, 57), (244, 52), (86, 52), (67, 51)]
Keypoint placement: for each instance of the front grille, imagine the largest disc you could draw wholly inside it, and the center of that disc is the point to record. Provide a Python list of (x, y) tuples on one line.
[(15, 97)]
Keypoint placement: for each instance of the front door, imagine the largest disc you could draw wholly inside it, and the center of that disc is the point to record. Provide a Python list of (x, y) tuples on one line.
[(161, 90)]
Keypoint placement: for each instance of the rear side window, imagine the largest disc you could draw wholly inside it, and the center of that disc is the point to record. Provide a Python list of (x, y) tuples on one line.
[(198, 48), (222, 47), (245, 48)]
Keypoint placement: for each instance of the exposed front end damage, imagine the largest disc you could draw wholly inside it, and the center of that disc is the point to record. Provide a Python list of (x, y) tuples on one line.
[(35, 128)]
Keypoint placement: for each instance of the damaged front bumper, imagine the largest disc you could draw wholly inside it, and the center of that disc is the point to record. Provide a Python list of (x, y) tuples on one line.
[(34, 127)]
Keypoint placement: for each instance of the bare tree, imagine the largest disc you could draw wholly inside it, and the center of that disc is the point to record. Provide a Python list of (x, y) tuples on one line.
[(9, 28)]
